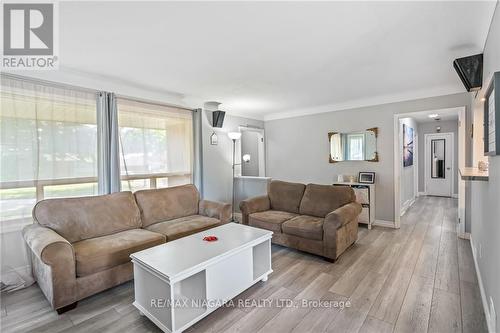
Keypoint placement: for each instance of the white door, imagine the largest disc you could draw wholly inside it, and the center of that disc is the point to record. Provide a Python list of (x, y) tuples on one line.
[(439, 164)]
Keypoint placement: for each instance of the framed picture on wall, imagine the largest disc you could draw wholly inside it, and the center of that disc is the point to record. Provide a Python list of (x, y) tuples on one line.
[(366, 177), (492, 117), (407, 146)]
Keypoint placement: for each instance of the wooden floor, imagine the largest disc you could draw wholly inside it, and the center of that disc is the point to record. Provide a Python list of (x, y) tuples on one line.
[(419, 278)]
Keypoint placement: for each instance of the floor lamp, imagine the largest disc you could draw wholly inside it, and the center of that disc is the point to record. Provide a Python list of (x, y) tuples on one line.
[(233, 136)]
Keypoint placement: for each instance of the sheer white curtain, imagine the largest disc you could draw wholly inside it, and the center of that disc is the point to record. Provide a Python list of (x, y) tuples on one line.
[(156, 145), (48, 146), (48, 149)]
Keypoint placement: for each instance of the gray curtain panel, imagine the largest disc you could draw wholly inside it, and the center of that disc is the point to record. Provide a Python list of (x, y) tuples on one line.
[(198, 151), (108, 158)]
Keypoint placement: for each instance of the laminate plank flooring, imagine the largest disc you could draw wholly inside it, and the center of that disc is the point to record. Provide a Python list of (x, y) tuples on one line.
[(419, 278)]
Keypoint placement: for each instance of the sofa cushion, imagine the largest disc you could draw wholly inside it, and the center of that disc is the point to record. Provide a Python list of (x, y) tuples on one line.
[(165, 204), (184, 226), (285, 196), (98, 254), (304, 226), (77, 219), (270, 219), (319, 200)]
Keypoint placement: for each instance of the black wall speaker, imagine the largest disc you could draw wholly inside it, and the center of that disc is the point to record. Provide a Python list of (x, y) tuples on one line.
[(470, 71), (218, 118)]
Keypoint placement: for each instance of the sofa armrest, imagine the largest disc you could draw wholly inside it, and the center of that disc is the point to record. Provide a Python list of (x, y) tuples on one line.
[(341, 216), (53, 264), (219, 210), (333, 221), (254, 205)]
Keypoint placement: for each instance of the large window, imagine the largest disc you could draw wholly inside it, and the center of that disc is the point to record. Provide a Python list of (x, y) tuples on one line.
[(48, 146), (155, 145)]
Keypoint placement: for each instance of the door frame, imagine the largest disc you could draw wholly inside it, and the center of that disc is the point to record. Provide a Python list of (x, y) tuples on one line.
[(461, 110), (426, 159)]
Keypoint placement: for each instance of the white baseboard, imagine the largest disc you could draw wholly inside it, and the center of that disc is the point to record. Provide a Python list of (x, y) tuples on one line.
[(463, 235), (384, 223), (484, 300), (423, 194), (406, 205)]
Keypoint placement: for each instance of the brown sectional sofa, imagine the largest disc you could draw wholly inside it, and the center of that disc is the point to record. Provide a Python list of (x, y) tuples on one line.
[(81, 246), (320, 219)]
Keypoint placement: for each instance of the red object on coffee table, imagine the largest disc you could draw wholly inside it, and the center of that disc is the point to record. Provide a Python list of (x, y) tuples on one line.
[(210, 238)]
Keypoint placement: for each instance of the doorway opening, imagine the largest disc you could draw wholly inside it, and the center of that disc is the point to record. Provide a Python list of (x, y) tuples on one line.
[(252, 149), (429, 149)]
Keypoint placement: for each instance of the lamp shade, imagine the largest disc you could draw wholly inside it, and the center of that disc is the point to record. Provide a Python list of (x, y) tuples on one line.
[(234, 135)]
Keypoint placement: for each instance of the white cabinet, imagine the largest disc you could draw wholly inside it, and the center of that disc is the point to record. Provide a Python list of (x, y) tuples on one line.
[(365, 195)]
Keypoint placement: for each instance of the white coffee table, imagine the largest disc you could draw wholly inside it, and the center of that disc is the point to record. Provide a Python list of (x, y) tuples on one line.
[(178, 283)]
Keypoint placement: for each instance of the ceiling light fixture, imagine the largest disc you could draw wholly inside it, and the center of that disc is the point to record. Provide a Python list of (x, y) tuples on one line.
[(434, 115)]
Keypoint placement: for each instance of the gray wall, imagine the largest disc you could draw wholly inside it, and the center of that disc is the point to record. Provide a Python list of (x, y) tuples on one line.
[(217, 160), (485, 196), (297, 148), (408, 174), (250, 145), (427, 128)]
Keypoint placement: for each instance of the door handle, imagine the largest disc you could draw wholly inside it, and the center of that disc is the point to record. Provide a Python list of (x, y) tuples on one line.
[(448, 168)]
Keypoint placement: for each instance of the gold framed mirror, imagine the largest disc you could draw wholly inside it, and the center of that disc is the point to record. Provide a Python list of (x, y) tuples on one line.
[(353, 146)]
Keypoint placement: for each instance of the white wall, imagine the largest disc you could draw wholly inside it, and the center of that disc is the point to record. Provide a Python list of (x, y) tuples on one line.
[(485, 205), (428, 128), (217, 160), (408, 174), (297, 148)]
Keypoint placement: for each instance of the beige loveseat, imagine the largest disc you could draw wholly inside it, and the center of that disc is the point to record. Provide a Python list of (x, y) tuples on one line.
[(81, 246), (320, 219)]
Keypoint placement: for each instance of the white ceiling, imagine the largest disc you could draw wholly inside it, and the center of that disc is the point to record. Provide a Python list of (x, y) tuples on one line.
[(267, 60), (443, 115)]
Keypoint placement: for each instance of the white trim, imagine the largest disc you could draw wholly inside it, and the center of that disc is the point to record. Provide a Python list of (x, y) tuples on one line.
[(397, 172), (421, 194), (481, 287), (360, 103), (385, 223), (426, 159), (464, 235), (461, 140), (454, 195), (407, 205)]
